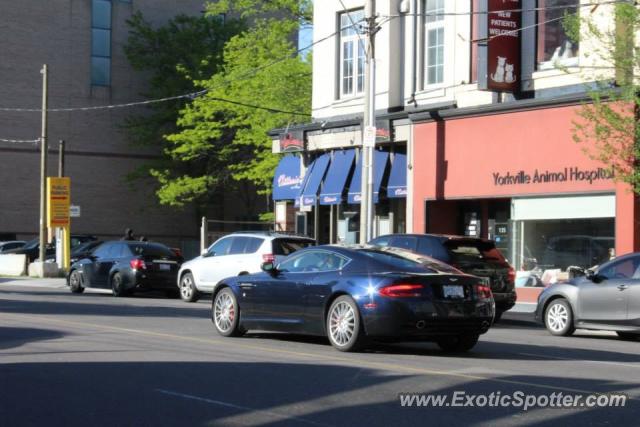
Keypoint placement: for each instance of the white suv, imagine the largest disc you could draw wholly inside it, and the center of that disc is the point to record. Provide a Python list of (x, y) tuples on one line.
[(234, 255)]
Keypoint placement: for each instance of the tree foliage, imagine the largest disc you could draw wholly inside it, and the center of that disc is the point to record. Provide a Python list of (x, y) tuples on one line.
[(608, 126), (262, 84)]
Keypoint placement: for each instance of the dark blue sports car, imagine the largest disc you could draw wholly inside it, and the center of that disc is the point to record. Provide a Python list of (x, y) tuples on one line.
[(352, 294)]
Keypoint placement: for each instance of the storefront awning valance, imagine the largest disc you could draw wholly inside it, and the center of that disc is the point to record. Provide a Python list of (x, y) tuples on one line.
[(380, 159), (337, 176), (287, 181), (314, 177), (397, 186)]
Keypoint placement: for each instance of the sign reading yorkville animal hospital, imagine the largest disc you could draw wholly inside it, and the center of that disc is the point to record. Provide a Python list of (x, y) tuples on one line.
[(503, 46), (540, 176), (58, 202)]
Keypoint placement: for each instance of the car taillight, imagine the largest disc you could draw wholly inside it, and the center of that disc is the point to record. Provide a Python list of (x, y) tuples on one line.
[(511, 275), (400, 290), (483, 291), (137, 264), (177, 251), (268, 258)]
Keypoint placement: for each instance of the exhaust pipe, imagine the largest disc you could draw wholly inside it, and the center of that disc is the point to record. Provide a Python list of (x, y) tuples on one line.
[(421, 324)]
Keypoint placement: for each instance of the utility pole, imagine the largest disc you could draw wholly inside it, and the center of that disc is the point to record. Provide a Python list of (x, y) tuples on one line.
[(369, 131), (43, 169), (61, 158)]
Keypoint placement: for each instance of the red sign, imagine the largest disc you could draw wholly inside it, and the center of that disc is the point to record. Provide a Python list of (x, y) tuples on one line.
[(292, 141), (503, 51)]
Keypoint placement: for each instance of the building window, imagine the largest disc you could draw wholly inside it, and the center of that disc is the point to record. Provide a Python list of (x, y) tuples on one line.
[(101, 42), (554, 46), (352, 54), (434, 41)]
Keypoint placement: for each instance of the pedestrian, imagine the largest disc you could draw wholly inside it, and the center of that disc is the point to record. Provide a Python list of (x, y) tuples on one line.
[(128, 234)]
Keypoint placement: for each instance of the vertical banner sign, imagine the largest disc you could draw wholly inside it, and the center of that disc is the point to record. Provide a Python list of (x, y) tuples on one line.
[(59, 200), (503, 51)]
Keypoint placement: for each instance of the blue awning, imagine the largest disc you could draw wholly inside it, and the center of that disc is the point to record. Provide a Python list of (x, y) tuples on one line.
[(337, 177), (287, 181), (379, 165), (314, 177), (397, 186)]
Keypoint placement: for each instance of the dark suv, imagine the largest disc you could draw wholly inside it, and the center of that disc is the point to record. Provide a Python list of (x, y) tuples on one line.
[(471, 255)]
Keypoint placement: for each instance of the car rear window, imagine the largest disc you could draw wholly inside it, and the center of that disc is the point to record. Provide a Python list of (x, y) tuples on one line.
[(142, 249), (289, 246), (470, 250), (396, 261)]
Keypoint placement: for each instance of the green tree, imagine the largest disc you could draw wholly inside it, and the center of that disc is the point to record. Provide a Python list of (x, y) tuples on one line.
[(263, 84), (608, 125)]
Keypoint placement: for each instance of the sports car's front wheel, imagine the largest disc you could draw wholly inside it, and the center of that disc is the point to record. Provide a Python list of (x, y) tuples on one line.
[(225, 314), (343, 325)]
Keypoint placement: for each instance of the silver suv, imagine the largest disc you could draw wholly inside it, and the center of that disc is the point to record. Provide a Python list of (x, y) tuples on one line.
[(233, 255)]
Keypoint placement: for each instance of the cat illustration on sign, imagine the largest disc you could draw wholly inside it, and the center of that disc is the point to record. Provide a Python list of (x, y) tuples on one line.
[(504, 71)]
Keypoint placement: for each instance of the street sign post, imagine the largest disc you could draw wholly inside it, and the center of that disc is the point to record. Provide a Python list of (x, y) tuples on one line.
[(58, 213)]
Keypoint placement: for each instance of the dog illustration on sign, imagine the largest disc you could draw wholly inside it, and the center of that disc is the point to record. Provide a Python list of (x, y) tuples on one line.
[(504, 71)]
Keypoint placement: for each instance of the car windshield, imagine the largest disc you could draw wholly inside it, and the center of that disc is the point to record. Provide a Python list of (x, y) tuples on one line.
[(472, 250), (150, 250), (31, 244), (397, 260)]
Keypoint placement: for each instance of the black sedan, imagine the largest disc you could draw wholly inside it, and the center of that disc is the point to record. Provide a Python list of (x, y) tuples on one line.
[(351, 294), (606, 298), (126, 266), (32, 248)]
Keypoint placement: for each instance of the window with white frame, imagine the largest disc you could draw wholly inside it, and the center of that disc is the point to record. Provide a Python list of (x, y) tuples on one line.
[(433, 41), (352, 54), (554, 46)]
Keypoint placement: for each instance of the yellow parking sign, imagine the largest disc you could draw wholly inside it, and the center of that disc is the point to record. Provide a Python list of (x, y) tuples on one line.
[(59, 199)]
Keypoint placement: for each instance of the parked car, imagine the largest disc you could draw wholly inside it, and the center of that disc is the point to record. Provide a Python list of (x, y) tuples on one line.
[(125, 267), (606, 298), (233, 255), (32, 248), (471, 255), (11, 244), (352, 294)]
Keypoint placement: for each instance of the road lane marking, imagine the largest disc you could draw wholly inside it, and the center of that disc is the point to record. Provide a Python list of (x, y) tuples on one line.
[(241, 408), (606, 362), (314, 356)]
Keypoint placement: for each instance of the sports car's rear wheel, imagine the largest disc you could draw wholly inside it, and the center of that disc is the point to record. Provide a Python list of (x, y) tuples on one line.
[(458, 343), (225, 314), (75, 282), (558, 318), (343, 325), (188, 291)]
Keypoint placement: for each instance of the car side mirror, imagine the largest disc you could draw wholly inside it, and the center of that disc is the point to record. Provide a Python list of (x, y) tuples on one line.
[(593, 276), (269, 267), (205, 253)]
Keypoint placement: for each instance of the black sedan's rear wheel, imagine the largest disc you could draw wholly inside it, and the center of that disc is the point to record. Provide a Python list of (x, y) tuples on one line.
[(188, 291), (343, 325), (558, 318), (75, 282), (117, 286), (458, 343), (225, 314)]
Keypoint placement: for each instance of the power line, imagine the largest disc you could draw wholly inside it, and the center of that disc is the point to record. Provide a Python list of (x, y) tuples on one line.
[(20, 141), (534, 9), (259, 107)]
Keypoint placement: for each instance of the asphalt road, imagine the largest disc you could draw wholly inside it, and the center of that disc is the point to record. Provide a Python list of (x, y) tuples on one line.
[(96, 360)]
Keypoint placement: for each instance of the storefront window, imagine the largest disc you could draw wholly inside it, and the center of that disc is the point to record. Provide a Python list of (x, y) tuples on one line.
[(561, 244)]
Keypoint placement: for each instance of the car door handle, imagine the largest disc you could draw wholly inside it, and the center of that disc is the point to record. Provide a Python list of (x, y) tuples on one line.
[(623, 287)]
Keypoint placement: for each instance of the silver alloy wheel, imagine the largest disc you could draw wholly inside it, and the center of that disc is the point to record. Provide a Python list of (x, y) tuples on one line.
[(557, 317), (74, 280), (342, 323), (186, 287), (224, 312)]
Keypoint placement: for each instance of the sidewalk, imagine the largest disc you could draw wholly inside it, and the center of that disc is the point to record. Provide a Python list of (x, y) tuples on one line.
[(57, 282)]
